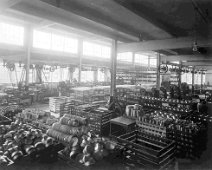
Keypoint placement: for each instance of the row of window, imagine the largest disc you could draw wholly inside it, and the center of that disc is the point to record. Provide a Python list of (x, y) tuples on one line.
[(12, 34), (187, 78), (140, 59)]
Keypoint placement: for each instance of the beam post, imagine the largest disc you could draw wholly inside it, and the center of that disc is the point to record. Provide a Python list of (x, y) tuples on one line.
[(201, 81), (193, 80), (80, 54), (113, 69), (133, 58), (179, 75), (158, 71), (95, 75), (28, 44)]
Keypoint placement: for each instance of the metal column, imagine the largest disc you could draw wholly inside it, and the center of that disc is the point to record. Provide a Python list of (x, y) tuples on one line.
[(193, 80), (113, 68), (158, 71), (28, 45), (95, 75), (80, 53), (179, 75), (133, 58), (201, 81)]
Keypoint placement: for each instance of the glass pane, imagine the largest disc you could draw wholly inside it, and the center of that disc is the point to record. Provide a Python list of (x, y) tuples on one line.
[(11, 34), (141, 59), (87, 76), (57, 42), (41, 40), (70, 45), (125, 56)]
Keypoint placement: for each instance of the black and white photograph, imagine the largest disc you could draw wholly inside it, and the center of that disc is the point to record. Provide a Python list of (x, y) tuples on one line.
[(105, 84)]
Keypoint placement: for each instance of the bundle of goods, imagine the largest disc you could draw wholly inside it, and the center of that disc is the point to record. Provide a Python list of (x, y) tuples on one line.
[(190, 138), (55, 103), (65, 108), (164, 100), (91, 94), (181, 107), (134, 111), (39, 118), (196, 117), (11, 110), (4, 160), (19, 140), (98, 119), (68, 129), (4, 120), (155, 123), (143, 149), (83, 107), (83, 93), (88, 151), (182, 111)]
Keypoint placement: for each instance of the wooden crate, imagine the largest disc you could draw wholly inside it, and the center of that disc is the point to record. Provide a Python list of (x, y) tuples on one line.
[(147, 150)]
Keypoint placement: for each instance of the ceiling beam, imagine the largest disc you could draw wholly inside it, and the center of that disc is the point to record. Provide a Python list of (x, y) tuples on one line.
[(185, 58), (165, 44), (48, 12), (5, 4), (11, 48), (44, 24), (171, 52), (202, 63)]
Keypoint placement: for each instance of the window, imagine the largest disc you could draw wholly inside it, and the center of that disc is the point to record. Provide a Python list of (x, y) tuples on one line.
[(11, 34), (41, 40), (141, 59), (96, 50), (153, 62), (197, 79), (57, 42), (87, 76), (70, 45), (203, 79), (51, 41), (101, 75), (186, 78), (125, 56)]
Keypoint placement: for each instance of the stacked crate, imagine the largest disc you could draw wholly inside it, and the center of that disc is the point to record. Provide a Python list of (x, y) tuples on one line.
[(147, 150), (98, 118), (190, 138), (55, 103)]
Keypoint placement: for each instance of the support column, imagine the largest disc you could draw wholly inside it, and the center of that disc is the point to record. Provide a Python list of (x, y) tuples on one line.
[(80, 54), (201, 81), (95, 75), (38, 76), (179, 75), (113, 69), (133, 58), (193, 80), (158, 71), (28, 44), (71, 72)]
